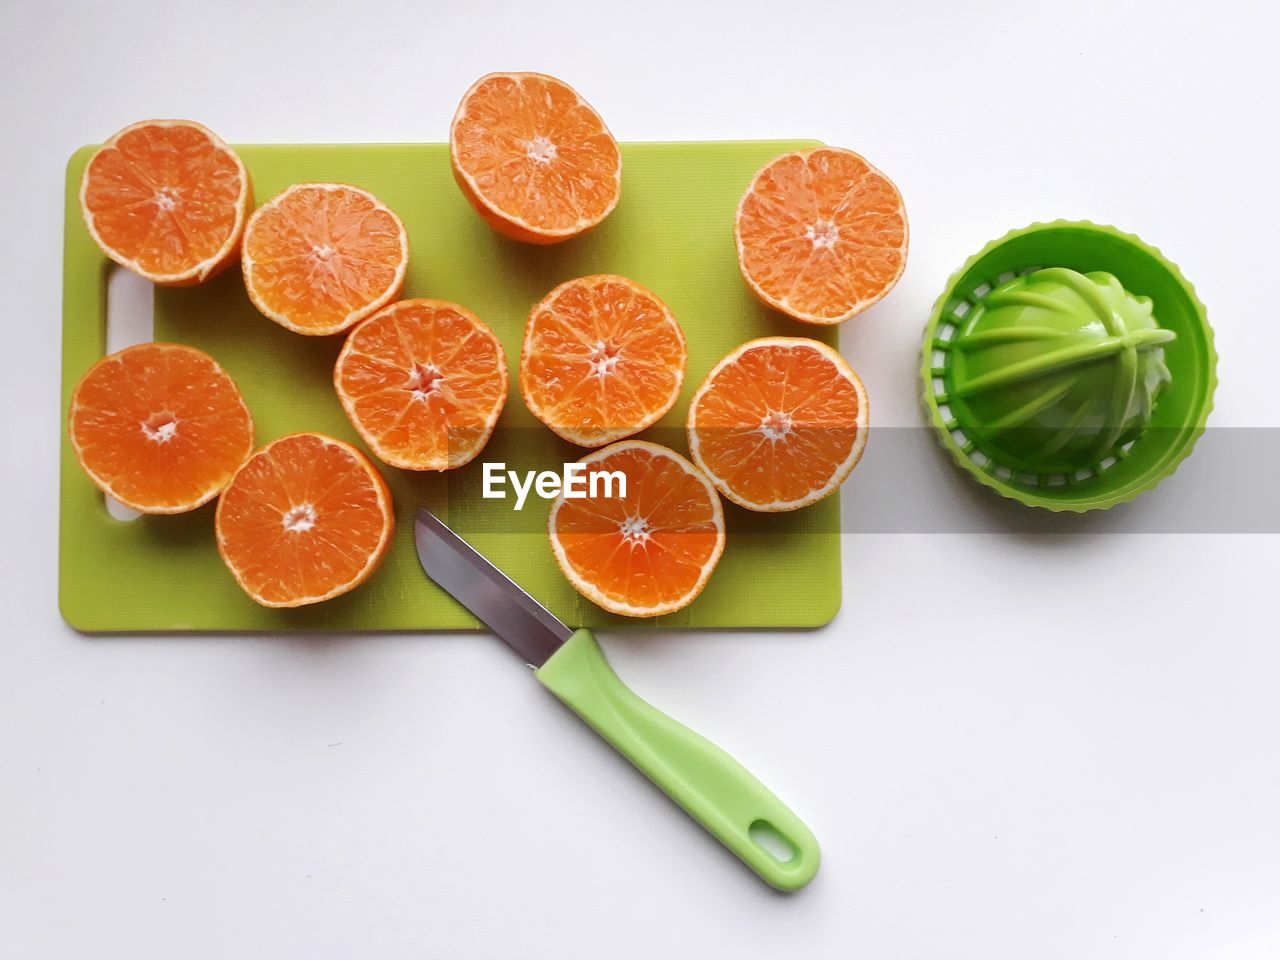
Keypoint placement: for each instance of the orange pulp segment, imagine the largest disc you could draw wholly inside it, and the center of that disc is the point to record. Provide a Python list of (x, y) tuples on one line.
[(305, 519), (423, 382), (821, 235), (649, 552), (779, 423), (167, 199), (603, 358), (533, 158), (160, 427), (320, 257)]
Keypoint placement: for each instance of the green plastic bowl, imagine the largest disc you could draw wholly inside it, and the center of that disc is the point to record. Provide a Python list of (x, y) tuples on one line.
[(1117, 475)]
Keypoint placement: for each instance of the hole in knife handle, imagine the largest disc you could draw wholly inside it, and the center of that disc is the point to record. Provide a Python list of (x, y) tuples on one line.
[(766, 836), (130, 320)]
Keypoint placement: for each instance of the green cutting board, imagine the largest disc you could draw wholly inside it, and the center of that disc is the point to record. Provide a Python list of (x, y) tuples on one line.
[(672, 232)]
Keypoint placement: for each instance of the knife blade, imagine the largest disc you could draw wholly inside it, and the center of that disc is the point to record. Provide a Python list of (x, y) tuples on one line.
[(527, 626), (711, 786)]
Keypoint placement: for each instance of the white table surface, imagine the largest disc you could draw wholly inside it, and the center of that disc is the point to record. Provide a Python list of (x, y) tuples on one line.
[(1067, 748)]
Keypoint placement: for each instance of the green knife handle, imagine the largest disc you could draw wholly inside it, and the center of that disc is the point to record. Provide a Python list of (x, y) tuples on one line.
[(710, 785)]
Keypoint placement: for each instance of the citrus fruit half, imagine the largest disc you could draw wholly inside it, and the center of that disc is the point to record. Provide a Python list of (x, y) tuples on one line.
[(305, 519), (168, 200), (423, 382), (779, 423), (821, 235), (533, 158), (159, 426), (603, 358), (649, 551), (320, 257)]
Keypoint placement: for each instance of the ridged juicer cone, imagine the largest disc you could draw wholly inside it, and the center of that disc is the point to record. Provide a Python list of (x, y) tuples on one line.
[(1069, 366)]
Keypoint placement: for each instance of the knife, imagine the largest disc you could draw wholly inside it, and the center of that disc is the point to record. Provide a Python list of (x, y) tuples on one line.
[(712, 787)]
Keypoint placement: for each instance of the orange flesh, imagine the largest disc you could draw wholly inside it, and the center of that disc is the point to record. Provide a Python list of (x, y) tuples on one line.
[(160, 427), (423, 382), (822, 234), (776, 425), (603, 358), (536, 153), (318, 258), (306, 518), (164, 199), (648, 552)]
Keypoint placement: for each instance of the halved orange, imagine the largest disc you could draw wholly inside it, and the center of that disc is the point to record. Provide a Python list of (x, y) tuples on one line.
[(821, 235), (168, 200), (423, 382), (160, 427), (320, 257), (603, 358), (305, 519), (779, 423), (533, 158), (647, 551)]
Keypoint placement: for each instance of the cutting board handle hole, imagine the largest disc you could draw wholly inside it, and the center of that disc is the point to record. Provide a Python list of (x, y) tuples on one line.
[(130, 320), (130, 310), (118, 510), (766, 836)]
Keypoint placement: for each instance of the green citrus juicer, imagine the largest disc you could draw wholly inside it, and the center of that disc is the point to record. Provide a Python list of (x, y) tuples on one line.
[(1069, 366)]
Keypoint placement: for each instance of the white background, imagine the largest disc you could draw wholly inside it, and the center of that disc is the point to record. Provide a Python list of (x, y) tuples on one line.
[(1010, 745)]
